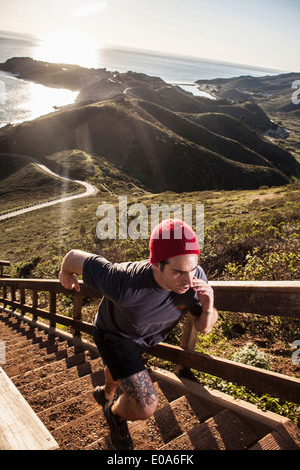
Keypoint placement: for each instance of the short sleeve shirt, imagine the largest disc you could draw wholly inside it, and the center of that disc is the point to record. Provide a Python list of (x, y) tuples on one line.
[(134, 306)]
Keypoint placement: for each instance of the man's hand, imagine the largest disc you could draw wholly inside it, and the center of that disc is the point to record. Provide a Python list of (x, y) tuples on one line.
[(71, 267), (69, 281), (206, 321), (205, 294)]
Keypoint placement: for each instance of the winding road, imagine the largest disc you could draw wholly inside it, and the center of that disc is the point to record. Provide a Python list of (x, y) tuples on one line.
[(89, 190)]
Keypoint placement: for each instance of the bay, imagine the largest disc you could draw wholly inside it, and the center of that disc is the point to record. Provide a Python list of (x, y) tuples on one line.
[(22, 100)]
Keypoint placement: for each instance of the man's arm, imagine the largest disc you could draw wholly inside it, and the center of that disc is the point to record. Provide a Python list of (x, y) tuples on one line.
[(206, 321), (71, 267)]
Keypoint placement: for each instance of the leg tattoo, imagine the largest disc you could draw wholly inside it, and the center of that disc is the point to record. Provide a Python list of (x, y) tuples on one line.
[(140, 388)]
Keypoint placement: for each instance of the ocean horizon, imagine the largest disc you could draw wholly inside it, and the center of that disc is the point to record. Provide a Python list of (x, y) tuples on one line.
[(21, 100)]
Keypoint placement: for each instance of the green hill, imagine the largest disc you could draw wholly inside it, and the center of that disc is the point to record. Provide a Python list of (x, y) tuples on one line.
[(155, 155), (23, 183)]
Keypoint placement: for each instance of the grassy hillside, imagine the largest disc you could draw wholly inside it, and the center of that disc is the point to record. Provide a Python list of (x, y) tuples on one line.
[(23, 183), (156, 155), (243, 231)]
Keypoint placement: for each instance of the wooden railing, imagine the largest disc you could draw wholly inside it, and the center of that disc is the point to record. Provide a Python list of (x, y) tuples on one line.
[(267, 298), (3, 264)]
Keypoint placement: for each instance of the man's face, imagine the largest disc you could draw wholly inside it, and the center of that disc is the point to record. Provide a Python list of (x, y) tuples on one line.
[(177, 274)]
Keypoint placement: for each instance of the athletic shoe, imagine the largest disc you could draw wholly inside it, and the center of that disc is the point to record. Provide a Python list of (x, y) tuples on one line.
[(119, 434), (99, 396)]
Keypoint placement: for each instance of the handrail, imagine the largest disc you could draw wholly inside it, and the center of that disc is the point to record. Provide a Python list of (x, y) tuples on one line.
[(279, 298), (241, 294)]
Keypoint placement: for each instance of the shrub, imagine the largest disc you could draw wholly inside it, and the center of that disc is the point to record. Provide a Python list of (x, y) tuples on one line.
[(251, 355), (24, 270), (269, 266)]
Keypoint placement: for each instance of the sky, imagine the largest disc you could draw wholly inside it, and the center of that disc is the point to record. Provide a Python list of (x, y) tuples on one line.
[(263, 33)]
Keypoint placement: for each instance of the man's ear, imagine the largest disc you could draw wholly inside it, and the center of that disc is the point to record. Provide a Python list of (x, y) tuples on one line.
[(155, 267)]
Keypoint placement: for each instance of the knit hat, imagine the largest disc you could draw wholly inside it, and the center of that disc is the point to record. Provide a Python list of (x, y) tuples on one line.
[(172, 237)]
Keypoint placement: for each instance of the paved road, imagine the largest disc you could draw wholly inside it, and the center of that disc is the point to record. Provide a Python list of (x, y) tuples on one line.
[(89, 190)]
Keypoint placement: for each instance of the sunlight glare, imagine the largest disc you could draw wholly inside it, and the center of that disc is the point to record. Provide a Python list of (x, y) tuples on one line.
[(41, 100), (68, 47)]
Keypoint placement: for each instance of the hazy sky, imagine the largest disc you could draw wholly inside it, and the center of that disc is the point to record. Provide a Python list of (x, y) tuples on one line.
[(255, 32)]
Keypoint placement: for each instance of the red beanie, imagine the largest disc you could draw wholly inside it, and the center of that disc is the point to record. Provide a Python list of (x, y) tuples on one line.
[(172, 237)]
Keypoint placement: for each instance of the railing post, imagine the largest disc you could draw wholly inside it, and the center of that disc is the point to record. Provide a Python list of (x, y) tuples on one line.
[(34, 302), (52, 307), (2, 264), (77, 312), (22, 300), (4, 295), (188, 339), (13, 294)]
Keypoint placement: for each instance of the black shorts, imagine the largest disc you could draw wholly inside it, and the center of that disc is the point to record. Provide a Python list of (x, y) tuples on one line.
[(122, 356)]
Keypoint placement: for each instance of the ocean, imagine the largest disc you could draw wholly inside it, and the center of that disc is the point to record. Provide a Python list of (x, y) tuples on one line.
[(21, 100)]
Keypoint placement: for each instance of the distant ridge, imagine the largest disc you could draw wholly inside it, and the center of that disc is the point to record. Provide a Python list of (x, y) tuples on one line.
[(161, 136)]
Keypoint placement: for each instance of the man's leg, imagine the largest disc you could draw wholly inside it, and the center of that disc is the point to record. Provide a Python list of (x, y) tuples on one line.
[(139, 399), (110, 385)]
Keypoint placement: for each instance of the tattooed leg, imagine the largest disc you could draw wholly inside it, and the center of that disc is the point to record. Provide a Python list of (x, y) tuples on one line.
[(139, 399)]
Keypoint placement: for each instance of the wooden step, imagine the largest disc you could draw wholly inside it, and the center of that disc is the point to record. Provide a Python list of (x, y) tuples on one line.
[(80, 433), (286, 436), (58, 378), (45, 380), (169, 422), (224, 431), (59, 394), (273, 441), (78, 360)]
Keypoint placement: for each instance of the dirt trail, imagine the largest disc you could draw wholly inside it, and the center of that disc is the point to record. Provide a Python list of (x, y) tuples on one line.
[(89, 191)]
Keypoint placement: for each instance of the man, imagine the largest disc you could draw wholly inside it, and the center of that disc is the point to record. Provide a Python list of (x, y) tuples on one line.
[(142, 302)]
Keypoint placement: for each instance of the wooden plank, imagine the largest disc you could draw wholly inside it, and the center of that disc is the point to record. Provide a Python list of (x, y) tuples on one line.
[(52, 285), (20, 427), (188, 339), (280, 298), (261, 422), (77, 312), (60, 319), (273, 441), (2, 264), (52, 307), (277, 385)]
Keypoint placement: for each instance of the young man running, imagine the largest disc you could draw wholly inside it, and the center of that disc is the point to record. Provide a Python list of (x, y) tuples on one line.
[(142, 301)]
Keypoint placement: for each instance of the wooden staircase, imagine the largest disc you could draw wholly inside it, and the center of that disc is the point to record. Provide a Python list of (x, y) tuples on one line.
[(56, 375)]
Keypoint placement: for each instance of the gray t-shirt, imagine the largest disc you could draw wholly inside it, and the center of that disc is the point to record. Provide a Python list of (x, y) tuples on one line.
[(134, 306)]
